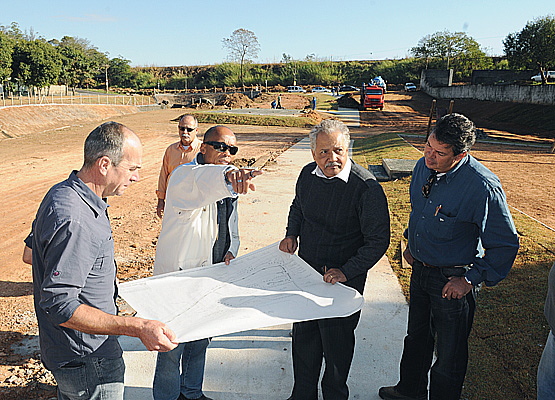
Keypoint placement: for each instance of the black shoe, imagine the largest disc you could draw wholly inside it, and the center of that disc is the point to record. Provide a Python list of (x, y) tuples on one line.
[(182, 397), (391, 393)]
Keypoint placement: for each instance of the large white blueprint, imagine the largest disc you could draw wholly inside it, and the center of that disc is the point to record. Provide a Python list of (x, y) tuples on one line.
[(264, 288)]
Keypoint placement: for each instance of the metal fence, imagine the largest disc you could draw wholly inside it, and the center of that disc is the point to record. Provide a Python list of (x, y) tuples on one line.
[(79, 98)]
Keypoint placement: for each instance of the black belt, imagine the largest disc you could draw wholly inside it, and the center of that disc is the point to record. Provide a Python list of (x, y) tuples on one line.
[(445, 266)]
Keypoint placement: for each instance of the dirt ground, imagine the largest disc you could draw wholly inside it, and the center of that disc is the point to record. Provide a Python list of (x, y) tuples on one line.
[(30, 164)]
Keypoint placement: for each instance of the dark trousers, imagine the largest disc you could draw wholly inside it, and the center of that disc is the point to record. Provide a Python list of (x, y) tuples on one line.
[(332, 340), (432, 317)]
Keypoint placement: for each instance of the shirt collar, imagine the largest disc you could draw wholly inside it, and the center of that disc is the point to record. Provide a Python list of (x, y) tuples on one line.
[(97, 204), (343, 175), (188, 148), (451, 173)]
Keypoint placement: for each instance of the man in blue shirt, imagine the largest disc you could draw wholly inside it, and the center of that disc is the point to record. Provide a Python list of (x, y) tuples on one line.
[(460, 234)]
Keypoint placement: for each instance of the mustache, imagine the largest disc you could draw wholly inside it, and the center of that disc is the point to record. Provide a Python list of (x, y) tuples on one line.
[(333, 164), (186, 136)]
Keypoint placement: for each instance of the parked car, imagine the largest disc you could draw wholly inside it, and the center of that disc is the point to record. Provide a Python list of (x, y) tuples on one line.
[(295, 89), (320, 89), (348, 88), (410, 87), (548, 75)]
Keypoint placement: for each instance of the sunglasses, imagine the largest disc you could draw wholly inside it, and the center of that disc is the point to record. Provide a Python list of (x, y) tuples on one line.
[(427, 188), (223, 147), (185, 128)]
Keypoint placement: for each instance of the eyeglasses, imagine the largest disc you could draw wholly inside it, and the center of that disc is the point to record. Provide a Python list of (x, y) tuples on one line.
[(185, 128), (427, 188), (223, 147)]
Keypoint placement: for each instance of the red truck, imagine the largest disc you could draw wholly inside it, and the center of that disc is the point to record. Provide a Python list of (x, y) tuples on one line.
[(371, 96)]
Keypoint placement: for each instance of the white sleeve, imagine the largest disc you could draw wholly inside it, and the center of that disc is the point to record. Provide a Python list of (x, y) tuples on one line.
[(234, 230), (195, 186)]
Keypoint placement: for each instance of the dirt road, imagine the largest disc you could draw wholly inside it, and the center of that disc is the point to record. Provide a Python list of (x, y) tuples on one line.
[(30, 164)]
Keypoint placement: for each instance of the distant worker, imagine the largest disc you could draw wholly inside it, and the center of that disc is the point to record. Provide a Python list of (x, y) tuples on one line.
[(178, 153), (313, 103), (279, 102), (274, 104)]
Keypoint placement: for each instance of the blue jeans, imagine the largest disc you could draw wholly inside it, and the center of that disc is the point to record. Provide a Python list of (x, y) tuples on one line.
[(435, 322), (91, 378), (546, 370), (169, 382)]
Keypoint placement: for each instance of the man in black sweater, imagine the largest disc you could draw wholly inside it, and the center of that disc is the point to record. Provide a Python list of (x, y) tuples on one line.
[(341, 218)]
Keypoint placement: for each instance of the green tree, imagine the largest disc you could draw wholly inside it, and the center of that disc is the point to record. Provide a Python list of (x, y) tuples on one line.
[(6, 50), (13, 31), (36, 63), (119, 72), (79, 62), (142, 80), (447, 50), (243, 46), (533, 47), (291, 68)]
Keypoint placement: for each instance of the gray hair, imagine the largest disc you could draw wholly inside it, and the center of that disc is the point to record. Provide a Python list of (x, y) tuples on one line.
[(189, 116), (457, 131), (328, 126), (105, 140)]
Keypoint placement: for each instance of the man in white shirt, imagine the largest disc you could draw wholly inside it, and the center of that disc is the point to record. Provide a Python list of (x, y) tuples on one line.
[(199, 228)]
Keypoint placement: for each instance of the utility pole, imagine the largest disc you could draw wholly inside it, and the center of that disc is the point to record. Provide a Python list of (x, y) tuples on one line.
[(106, 66)]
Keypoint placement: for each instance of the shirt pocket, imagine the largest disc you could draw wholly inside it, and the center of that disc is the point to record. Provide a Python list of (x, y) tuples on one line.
[(442, 227), (104, 259)]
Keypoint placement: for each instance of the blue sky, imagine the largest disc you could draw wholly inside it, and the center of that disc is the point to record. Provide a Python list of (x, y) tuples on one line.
[(167, 33)]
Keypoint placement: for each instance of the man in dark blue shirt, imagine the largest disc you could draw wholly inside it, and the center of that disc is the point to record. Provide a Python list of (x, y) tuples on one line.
[(74, 272), (460, 234)]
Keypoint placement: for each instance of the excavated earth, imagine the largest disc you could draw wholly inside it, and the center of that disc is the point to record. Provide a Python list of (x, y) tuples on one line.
[(40, 155)]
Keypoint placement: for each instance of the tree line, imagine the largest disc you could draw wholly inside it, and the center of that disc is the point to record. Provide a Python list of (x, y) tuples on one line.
[(34, 62)]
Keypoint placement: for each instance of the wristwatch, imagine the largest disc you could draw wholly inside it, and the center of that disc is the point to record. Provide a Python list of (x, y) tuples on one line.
[(467, 280)]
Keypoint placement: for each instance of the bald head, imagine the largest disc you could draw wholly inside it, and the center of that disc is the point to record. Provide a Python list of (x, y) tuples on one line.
[(215, 147), (215, 133)]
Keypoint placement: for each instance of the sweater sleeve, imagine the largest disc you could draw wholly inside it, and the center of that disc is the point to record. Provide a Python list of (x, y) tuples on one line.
[(295, 217), (374, 224)]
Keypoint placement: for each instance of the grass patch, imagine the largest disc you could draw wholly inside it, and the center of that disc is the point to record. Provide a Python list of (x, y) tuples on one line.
[(509, 329), (325, 102), (242, 119)]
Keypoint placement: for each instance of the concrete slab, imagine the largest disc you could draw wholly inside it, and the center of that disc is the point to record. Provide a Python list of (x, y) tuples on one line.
[(349, 116), (398, 168), (379, 172), (257, 364)]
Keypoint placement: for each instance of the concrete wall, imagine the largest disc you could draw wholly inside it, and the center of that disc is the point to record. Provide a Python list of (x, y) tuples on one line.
[(437, 77), (529, 94), (496, 76)]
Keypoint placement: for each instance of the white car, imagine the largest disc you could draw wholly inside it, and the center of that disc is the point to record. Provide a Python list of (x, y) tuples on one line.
[(295, 89), (548, 75), (410, 87), (320, 89)]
